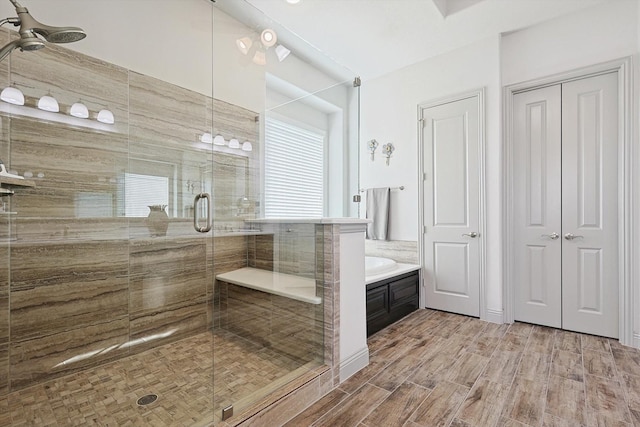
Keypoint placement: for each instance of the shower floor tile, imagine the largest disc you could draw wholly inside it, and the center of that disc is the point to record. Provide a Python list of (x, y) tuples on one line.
[(181, 374)]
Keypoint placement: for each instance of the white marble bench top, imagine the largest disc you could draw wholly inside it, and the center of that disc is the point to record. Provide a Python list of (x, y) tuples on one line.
[(285, 285)]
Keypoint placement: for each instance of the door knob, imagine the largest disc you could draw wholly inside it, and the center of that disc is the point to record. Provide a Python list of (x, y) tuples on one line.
[(552, 236), (473, 234), (570, 236)]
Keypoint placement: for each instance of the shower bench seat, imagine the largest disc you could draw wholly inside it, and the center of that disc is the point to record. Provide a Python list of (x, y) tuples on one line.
[(285, 285)]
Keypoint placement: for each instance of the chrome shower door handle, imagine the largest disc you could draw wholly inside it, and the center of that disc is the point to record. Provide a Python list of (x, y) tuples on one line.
[(570, 236), (552, 236), (196, 224), (473, 234)]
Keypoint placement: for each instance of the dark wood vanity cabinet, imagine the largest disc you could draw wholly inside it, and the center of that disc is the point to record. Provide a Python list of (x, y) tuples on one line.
[(391, 299)]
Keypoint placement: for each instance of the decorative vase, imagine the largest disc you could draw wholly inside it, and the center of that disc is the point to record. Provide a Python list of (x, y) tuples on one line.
[(158, 220)]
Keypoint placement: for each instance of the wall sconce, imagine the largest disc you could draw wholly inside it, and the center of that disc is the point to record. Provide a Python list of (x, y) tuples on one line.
[(234, 143), (373, 144), (246, 146), (106, 116), (48, 103), (206, 138), (79, 110), (12, 95), (219, 140), (387, 150)]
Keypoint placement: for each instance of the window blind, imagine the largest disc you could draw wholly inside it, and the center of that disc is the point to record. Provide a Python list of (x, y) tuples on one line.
[(293, 172)]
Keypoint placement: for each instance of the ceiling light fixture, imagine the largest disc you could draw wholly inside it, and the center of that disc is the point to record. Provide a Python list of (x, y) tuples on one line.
[(282, 52), (244, 44), (260, 58), (268, 37)]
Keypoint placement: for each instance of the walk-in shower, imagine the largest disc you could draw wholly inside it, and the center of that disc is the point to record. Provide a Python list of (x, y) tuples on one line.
[(30, 29), (113, 308)]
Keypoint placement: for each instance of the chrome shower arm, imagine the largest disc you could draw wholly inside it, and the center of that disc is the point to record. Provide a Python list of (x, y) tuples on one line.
[(14, 21), (15, 3), (8, 48)]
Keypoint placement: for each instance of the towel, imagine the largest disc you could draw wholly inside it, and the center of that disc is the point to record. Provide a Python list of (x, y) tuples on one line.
[(378, 211)]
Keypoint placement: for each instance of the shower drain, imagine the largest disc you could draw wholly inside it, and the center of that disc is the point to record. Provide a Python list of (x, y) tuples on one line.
[(147, 400)]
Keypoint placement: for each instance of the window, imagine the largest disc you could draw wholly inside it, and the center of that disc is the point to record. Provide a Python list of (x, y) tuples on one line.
[(142, 191), (293, 171)]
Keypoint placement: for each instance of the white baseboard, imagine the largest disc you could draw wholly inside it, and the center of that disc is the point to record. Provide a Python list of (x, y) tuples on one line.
[(354, 363), (494, 316), (636, 340)]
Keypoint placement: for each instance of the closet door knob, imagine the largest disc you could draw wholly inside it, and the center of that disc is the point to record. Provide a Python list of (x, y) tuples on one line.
[(552, 236), (570, 236), (473, 234)]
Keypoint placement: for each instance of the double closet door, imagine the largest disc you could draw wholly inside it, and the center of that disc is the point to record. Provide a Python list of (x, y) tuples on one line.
[(566, 205)]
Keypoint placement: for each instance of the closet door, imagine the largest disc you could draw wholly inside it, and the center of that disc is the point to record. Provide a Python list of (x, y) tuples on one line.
[(590, 205), (537, 206)]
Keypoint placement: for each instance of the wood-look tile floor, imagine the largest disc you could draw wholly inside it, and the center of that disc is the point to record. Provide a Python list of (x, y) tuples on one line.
[(180, 373), (440, 369)]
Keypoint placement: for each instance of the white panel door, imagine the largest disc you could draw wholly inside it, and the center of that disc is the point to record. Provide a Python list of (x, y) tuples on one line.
[(451, 137), (566, 205), (590, 205), (537, 206)]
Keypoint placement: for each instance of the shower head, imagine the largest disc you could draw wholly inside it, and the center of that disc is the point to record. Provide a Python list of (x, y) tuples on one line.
[(49, 33), (30, 29), (26, 41)]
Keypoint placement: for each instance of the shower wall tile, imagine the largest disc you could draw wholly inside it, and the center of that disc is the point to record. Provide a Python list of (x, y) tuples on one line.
[(4, 369), (80, 172), (167, 288), (4, 294), (70, 77), (59, 287), (405, 251), (52, 356), (261, 252)]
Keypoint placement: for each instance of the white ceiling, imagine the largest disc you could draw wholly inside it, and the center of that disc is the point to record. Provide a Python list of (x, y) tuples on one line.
[(374, 37)]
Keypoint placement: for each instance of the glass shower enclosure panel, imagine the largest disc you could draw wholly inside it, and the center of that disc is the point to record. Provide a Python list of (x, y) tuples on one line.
[(106, 274)]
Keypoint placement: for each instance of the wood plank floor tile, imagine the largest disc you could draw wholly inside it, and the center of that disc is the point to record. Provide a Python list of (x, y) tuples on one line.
[(596, 343), (567, 365), (599, 364), (534, 366), (512, 342), (396, 409), (523, 329), (440, 406), (607, 397), (507, 422), (566, 399), (631, 385), (502, 366), (551, 421), (626, 361), (353, 409), (318, 409), (483, 405), (568, 341), (541, 340), (466, 370), (399, 370), (526, 401)]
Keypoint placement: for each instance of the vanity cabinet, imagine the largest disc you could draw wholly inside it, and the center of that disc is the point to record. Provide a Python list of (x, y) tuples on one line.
[(391, 299)]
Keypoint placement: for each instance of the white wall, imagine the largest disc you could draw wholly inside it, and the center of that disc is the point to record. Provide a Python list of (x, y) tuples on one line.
[(592, 36), (389, 114), (389, 106)]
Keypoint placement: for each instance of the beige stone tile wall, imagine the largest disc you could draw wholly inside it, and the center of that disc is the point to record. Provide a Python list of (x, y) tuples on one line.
[(77, 291)]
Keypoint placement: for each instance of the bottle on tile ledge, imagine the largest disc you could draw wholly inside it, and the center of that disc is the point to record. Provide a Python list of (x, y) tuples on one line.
[(157, 220)]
